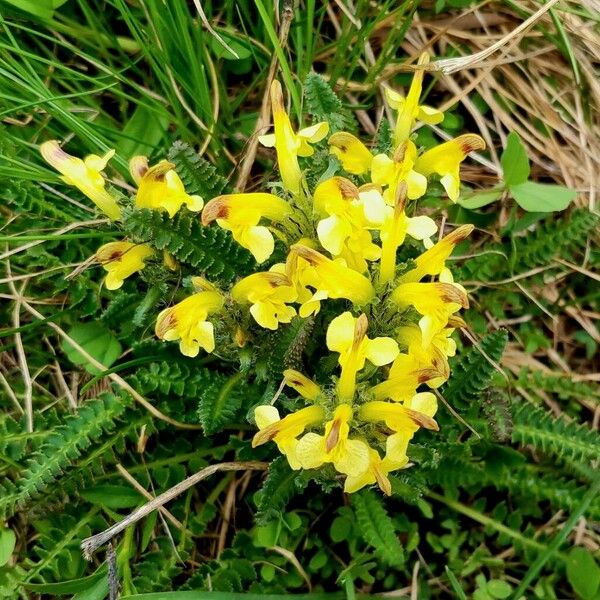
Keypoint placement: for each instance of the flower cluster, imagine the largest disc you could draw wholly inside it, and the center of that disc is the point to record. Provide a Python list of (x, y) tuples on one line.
[(342, 242)]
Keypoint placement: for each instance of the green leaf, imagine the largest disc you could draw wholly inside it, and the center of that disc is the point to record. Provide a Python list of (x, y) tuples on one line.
[(583, 573), (112, 496), (479, 199), (498, 588), (142, 133), (542, 197), (68, 587), (515, 163), (97, 341), (7, 545), (43, 9), (377, 528), (460, 594), (234, 41)]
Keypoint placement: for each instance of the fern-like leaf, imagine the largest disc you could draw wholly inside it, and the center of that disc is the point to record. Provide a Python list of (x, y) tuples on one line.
[(220, 402), (280, 486), (556, 436), (376, 527), (473, 372), (323, 104), (209, 250), (196, 173), (63, 447)]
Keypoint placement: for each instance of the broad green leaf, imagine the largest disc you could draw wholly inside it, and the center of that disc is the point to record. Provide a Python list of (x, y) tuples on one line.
[(479, 199), (7, 545), (583, 573), (542, 197), (97, 341), (43, 9), (515, 163), (142, 133), (112, 496), (234, 41), (498, 588)]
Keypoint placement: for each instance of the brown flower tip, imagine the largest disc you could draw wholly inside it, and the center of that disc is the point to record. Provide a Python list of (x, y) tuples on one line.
[(470, 142), (217, 208), (348, 190), (452, 293), (421, 419), (334, 435)]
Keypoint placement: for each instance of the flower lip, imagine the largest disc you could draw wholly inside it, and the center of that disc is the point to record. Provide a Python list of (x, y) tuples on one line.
[(470, 142)]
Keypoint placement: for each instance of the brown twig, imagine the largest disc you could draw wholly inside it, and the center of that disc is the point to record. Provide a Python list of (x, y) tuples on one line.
[(91, 544)]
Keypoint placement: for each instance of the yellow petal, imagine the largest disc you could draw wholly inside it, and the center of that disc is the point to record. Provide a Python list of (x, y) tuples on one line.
[(267, 140), (306, 387), (396, 446), (420, 228), (430, 115), (381, 350), (259, 240), (314, 133), (265, 415), (122, 259), (310, 451), (242, 208), (340, 333), (351, 152), (424, 402), (353, 459), (332, 233), (433, 261), (383, 169)]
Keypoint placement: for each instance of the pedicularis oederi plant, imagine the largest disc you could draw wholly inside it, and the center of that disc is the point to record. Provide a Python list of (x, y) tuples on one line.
[(347, 247)]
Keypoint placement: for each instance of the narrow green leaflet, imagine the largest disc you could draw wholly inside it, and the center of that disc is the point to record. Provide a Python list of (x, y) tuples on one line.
[(480, 199), (542, 197), (7, 545), (515, 163)]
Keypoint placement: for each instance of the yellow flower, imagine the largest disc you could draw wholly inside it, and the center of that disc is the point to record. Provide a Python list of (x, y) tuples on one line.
[(355, 157), (186, 322), (348, 336), (122, 259), (445, 160), (300, 273), (433, 261), (391, 172), (268, 294), (284, 431), (379, 469), (160, 188), (402, 419), (409, 109), (352, 212), (332, 278), (349, 456), (434, 355), (85, 175), (435, 301), (394, 231), (306, 387), (241, 213), (406, 374), (288, 144)]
